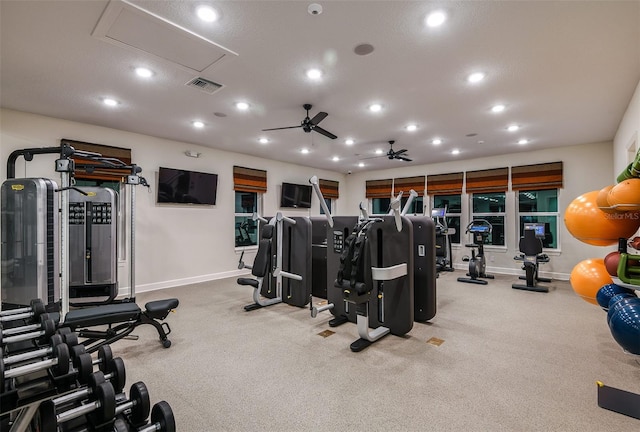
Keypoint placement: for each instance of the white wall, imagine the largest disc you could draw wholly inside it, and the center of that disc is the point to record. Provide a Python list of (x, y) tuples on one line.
[(175, 245), (627, 140), (586, 167)]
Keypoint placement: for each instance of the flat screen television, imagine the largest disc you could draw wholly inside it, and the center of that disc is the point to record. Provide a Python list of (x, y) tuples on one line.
[(295, 196), (178, 186)]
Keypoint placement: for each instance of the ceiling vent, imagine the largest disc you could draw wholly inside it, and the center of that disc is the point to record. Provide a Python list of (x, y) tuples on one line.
[(204, 85)]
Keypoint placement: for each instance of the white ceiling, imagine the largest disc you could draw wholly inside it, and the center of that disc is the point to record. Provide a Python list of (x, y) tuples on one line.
[(566, 71)]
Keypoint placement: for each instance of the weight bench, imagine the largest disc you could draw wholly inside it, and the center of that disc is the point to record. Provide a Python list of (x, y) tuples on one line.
[(120, 319)]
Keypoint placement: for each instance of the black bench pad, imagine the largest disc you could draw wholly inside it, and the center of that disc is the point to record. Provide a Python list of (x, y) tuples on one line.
[(101, 315), (160, 308), (248, 281)]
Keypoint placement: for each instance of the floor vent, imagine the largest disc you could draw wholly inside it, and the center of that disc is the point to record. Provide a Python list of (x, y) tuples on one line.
[(205, 85)]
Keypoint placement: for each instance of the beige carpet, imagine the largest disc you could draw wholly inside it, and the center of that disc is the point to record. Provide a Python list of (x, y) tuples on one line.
[(511, 361)]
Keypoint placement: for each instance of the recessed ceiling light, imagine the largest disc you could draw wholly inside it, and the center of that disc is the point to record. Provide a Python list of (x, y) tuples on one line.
[(475, 77), (361, 164), (304, 151), (435, 19), (523, 141), (375, 107), (207, 13), (379, 151), (198, 124), (455, 152), (349, 141), (314, 74), (498, 108), (411, 127), (263, 140), (242, 106), (144, 72), (335, 158), (513, 128), (110, 102), (436, 141)]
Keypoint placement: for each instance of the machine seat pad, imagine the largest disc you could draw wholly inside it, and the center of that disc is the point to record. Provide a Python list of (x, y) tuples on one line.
[(101, 315), (161, 308), (248, 281)]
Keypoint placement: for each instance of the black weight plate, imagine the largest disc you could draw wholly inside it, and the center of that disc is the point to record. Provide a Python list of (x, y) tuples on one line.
[(76, 351), (95, 379), (121, 425), (38, 309), (119, 372), (107, 398), (49, 328), (62, 354), (140, 411), (54, 341), (47, 414), (71, 339), (84, 365), (105, 355), (64, 330), (163, 414)]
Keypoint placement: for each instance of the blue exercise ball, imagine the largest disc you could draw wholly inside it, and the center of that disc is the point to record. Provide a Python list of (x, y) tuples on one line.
[(606, 293), (625, 326), (617, 301)]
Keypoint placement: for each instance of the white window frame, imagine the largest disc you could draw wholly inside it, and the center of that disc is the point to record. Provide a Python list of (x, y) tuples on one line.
[(555, 214), (259, 197), (503, 214)]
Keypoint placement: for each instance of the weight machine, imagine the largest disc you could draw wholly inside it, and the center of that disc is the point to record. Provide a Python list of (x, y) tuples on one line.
[(443, 240)]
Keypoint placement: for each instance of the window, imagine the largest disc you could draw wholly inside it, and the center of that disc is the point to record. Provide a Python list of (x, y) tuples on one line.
[(490, 206), (329, 203), (246, 229), (453, 203), (416, 207), (380, 206), (540, 206)]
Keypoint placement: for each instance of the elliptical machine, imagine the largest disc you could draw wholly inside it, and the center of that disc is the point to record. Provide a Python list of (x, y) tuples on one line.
[(480, 229), (443, 241)]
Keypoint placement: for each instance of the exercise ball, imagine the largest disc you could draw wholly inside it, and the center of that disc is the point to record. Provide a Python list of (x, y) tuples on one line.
[(587, 277), (625, 327), (617, 302), (602, 199), (606, 293), (626, 195), (611, 262), (587, 223)]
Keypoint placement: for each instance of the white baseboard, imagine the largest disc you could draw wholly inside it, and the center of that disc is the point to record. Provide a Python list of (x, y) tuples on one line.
[(124, 291), (513, 271)]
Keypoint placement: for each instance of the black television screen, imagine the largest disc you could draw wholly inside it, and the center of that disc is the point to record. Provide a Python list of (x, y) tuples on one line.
[(295, 195), (186, 187)]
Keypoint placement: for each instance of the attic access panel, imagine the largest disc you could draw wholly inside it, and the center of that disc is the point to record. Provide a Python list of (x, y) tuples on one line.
[(129, 26)]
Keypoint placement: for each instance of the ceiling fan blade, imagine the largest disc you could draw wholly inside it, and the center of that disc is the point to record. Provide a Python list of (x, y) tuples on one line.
[(324, 132), (287, 127), (404, 158), (318, 118), (400, 151)]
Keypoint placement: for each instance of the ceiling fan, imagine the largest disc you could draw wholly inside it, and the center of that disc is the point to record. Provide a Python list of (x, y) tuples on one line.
[(309, 124), (391, 154)]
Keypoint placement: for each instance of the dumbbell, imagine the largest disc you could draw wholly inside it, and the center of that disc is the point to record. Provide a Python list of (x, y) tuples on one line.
[(71, 340), (162, 419), (59, 364), (102, 409), (35, 309), (116, 376), (13, 335)]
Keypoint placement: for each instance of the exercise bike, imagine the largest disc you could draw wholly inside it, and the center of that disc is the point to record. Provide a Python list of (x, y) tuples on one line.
[(480, 229)]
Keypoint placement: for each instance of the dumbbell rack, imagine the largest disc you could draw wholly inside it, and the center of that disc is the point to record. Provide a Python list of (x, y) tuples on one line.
[(48, 383)]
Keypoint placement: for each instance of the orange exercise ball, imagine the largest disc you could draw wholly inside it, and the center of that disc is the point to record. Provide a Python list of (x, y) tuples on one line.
[(625, 195), (602, 199), (587, 277), (586, 222)]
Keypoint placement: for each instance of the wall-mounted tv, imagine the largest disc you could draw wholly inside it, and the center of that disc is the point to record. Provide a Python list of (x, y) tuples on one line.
[(295, 195), (186, 187)]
